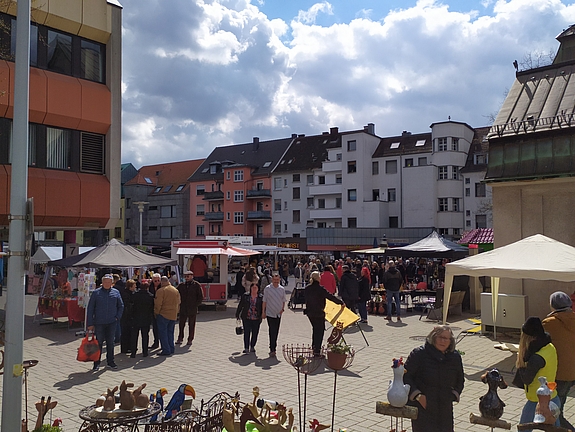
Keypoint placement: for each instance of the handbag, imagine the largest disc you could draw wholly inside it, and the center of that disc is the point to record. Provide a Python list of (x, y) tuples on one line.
[(89, 350), (239, 327)]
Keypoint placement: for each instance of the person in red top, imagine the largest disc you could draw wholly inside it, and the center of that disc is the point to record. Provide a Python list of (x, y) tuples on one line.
[(327, 280), (199, 268), (339, 269)]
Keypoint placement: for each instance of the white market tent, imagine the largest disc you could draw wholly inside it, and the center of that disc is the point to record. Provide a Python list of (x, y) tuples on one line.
[(537, 257), (216, 250), (45, 254)]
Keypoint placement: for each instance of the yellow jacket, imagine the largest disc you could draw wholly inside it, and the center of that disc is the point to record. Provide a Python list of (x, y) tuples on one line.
[(167, 302)]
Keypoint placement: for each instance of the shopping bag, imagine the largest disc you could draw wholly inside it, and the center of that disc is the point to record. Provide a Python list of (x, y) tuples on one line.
[(239, 328), (89, 350)]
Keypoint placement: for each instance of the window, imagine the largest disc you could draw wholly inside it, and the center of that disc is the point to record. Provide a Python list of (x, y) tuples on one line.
[(391, 167), (321, 203), (351, 145), (375, 194), (267, 164), (352, 222), (285, 182), (393, 222), (238, 175), (310, 223), (150, 208), (467, 180), (200, 190), (277, 227), (442, 172), (117, 232), (338, 202), (310, 202), (352, 195), (338, 157), (456, 231), (391, 195), (59, 49), (295, 178), (228, 175), (480, 159), (153, 228), (409, 162), (58, 143), (200, 209), (322, 225), (441, 144), (442, 204), (443, 231), (238, 217), (180, 187), (338, 179), (455, 204), (167, 232), (309, 179), (454, 144), (128, 203), (167, 188), (228, 216), (92, 61), (168, 211), (128, 224), (454, 173), (239, 196), (199, 230), (422, 161), (480, 221), (295, 193), (467, 192), (375, 168), (285, 227), (351, 167), (468, 223), (259, 206), (285, 205), (321, 180), (213, 169), (158, 189), (467, 213), (277, 183), (277, 205), (295, 216), (480, 190)]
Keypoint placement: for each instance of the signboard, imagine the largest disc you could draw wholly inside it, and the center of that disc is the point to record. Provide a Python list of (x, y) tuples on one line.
[(234, 240)]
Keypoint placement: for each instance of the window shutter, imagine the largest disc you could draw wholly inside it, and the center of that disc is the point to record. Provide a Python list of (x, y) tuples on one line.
[(92, 153)]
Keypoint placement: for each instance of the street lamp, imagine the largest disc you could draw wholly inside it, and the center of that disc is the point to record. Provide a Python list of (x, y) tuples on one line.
[(141, 205)]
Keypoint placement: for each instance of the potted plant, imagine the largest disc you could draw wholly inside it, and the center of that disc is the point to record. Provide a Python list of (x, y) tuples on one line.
[(337, 355)]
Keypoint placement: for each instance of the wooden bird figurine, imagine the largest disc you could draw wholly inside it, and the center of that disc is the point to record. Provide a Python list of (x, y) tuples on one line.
[(159, 399), (175, 404), (490, 405), (546, 411)]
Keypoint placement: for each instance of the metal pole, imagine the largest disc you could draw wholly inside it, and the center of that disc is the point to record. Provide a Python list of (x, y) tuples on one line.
[(13, 368), (141, 210)]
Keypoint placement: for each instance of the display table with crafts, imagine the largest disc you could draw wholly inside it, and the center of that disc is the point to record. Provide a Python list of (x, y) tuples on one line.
[(61, 308), (97, 420)]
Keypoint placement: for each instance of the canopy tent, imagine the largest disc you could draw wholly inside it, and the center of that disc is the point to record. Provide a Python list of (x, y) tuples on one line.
[(432, 246), (267, 248), (230, 251), (45, 254), (372, 251), (536, 257), (113, 254)]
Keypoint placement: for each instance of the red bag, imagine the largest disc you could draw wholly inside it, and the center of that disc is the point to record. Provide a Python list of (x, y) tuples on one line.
[(89, 350)]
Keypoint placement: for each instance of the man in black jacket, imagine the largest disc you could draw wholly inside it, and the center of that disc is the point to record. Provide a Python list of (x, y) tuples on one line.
[(191, 295), (392, 281), (142, 314), (315, 296), (349, 288)]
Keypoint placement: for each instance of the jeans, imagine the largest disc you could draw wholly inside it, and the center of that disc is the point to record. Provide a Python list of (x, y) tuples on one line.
[(191, 320), (528, 413), (391, 297), (166, 329), (563, 388), (362, 307), (274, 329), (251, 332), (106, 333), (317, 330)]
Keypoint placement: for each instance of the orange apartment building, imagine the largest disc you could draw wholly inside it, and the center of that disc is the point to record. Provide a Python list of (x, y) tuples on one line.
[(231, 191), (75, 112)]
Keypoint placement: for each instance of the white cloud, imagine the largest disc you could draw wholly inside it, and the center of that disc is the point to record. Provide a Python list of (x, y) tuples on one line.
[(201, 74)]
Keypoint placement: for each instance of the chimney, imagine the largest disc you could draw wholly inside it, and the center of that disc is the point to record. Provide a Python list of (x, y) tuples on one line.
[(405, 133), (370, 128), (256, 144), (333, 131), (293, 136)]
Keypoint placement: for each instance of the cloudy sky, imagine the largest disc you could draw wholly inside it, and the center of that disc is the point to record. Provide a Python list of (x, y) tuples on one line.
[(205, 73)]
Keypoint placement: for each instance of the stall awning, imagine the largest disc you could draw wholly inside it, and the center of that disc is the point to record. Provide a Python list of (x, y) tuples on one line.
[(230, 251)]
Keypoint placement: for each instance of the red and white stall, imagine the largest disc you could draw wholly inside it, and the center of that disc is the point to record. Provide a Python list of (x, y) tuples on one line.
[(216, 255)]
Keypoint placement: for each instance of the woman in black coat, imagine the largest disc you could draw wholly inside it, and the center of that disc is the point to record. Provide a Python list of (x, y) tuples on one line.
[(364, 293), (250, 311), (435, 373)]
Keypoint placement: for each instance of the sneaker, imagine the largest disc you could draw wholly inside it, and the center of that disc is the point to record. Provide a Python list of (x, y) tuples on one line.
[(189, 343), (156, 345), (96, 366), (388, 318), (252, 350), (272, 353), (113, 365)]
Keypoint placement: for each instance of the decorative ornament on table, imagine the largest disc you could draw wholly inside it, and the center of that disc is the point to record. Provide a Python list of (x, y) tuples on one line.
[(127, 401), (175, 404), (159, 399), (398, 392), (546, 411), (490, 405), (110, 402), (316, 426)]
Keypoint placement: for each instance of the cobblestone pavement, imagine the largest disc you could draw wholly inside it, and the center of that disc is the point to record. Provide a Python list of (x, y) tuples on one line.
[(215, 363)]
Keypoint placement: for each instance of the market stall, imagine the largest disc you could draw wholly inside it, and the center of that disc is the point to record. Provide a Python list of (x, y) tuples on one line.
[(216, 255)]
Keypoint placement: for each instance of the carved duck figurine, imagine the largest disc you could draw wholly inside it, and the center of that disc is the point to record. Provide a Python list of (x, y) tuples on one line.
[(546, 411), (398, 392), (490, 405)]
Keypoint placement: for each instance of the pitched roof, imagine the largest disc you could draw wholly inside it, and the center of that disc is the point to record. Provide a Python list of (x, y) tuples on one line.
[(172, 174), (260, 156), (477, 236), (308, 152), (406, 143), (479, 145)]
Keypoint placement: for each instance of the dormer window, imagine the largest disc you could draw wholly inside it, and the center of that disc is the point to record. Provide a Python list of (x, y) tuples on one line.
[(158, 189), (167, 188), (180, 187), (213, 169), (480, 159), (147, 179)]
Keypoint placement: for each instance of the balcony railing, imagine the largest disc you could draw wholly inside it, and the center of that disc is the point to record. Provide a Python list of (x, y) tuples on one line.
[(259, 215), (259, 193), (213, 196), (214, 216)]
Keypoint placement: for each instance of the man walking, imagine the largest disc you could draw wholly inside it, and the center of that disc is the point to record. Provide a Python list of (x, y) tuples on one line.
[(154, 287), (191, 295), (272, 310), (560, 324), (392, 281), (104, 312), (166, 306)]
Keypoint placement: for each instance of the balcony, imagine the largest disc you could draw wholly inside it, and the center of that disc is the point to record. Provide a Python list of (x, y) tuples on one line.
[(330, 166), (214, 216), (333, 213), (213, 196), (331, 189), (259, 193), (259, 215)]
